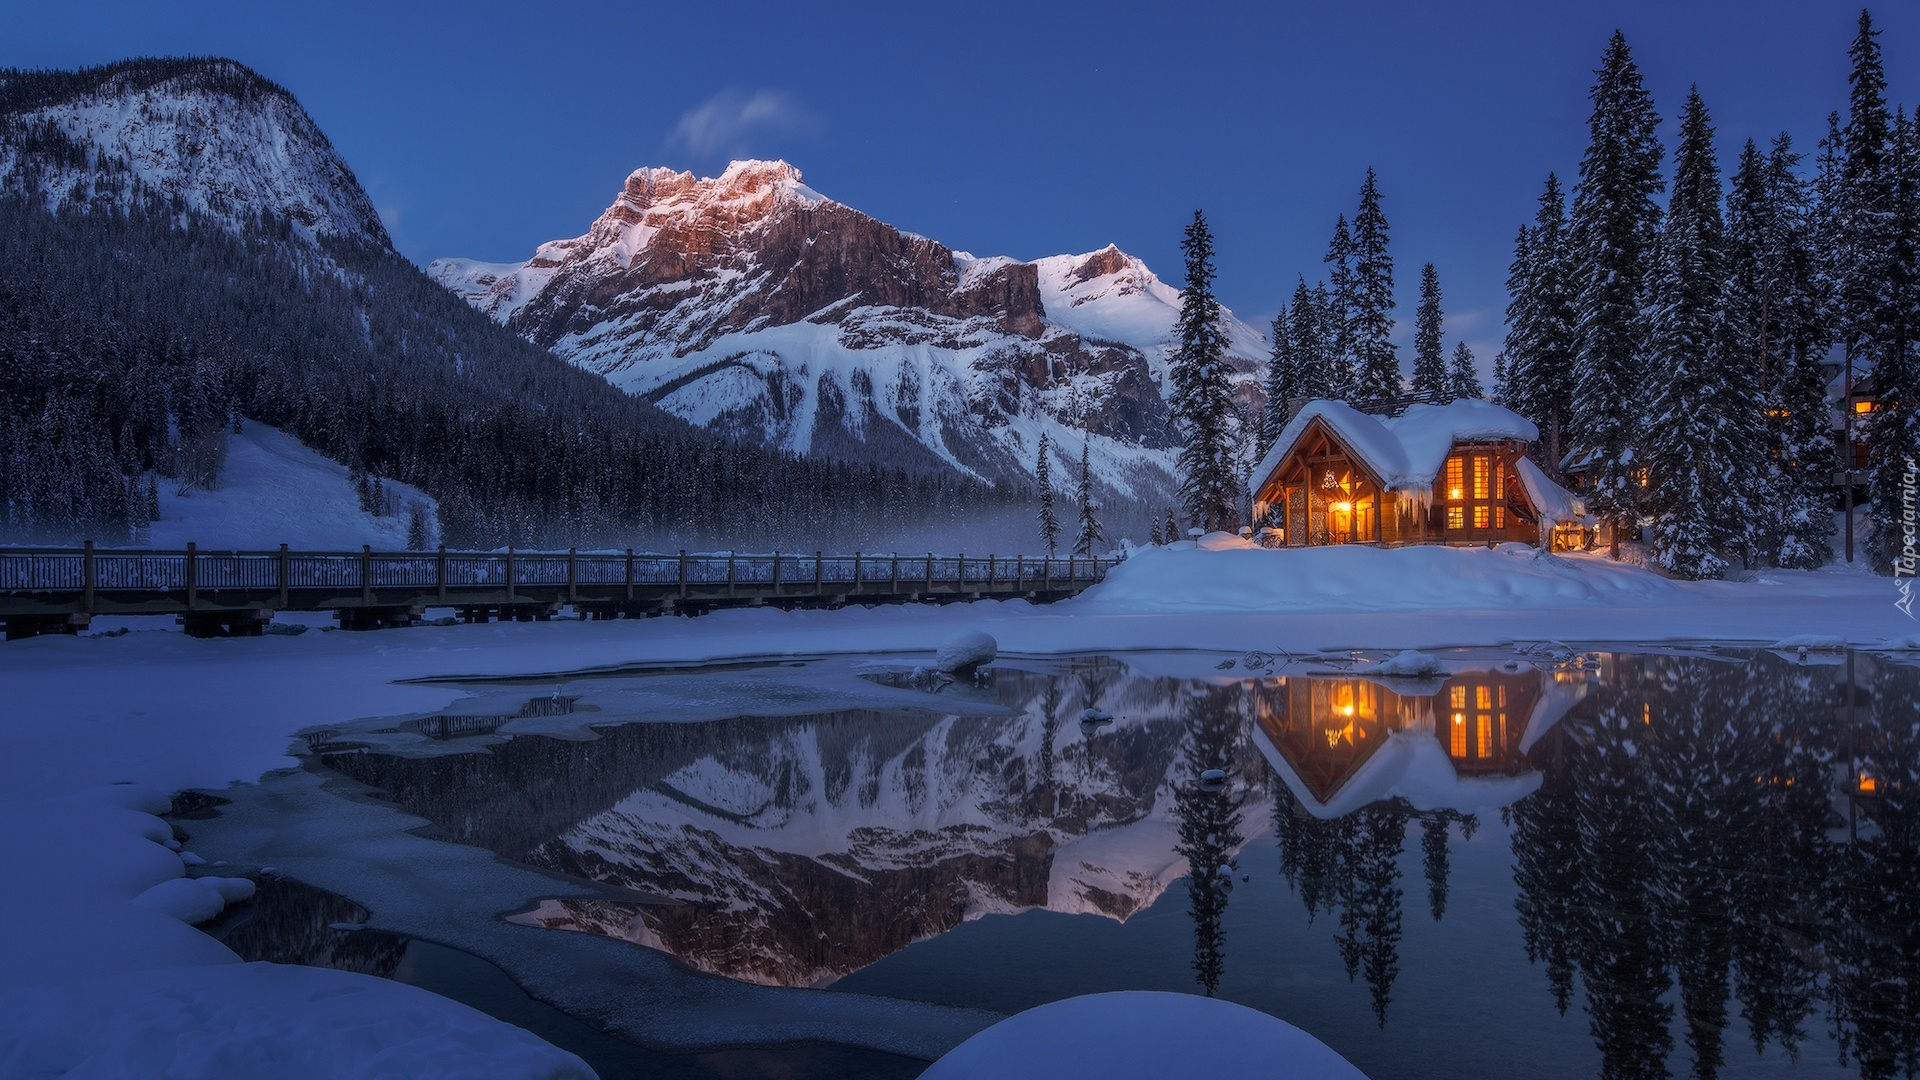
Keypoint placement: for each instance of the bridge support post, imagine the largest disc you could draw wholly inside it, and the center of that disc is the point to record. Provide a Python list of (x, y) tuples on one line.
[(193, 592), (683, 573), (510, 597), (86, 582), (629, 573), (440, 574), (572, 591), (730, 572), (817, 575), (280, 572)]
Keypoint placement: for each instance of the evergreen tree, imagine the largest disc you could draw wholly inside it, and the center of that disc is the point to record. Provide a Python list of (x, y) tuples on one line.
[(1377, 362), (1463, 378), (1500, 391), (1042, 476), (1154, 536), (1774, 335), (1202, 394), (1283, 379), (1339, 310), (1312, 358), (1611, 234), (1429, 351), (1172, 529), (1540, 365), (1893, 428), (1091, 531), (417, 527), (1701, 436)]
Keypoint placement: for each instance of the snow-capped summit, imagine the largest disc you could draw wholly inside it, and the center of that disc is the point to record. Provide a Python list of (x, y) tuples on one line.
[(751, 303), (210, 134)]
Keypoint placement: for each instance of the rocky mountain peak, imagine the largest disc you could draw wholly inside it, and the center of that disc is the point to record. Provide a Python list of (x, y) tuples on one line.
[(210, 134)]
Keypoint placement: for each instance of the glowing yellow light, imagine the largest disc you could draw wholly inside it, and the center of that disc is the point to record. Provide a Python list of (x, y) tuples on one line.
[(1346, 710), (1459, 718), (1868, 785), (1453, 493), (1863, 406), (1342, 507), (1646, 714)]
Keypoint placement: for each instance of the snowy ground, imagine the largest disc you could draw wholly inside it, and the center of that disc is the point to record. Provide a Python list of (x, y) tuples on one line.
[(162, 710)]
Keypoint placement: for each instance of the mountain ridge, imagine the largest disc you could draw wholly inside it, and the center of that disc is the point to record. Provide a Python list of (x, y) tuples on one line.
[(753, 304)]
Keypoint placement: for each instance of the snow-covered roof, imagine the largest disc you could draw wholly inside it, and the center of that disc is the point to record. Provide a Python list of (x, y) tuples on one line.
[(1405, 451), (1554, 503)]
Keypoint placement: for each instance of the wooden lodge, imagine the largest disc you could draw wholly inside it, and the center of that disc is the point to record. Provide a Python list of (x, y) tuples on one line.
[(1436, 474)]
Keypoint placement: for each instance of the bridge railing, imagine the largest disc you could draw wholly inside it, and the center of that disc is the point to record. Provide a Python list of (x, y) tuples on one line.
[(193, 571)]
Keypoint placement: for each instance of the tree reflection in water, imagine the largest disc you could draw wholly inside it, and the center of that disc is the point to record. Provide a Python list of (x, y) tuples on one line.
[(1686, 833), (1210, 820)]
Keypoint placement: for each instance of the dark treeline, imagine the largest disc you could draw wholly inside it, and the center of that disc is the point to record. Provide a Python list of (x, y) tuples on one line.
[(132, 340), (1673, 356)]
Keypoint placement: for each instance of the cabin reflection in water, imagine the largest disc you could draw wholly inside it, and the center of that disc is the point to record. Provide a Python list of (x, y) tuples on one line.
[(1343, 741)]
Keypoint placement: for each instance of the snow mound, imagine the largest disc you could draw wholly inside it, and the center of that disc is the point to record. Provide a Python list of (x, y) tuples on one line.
[(965, 652), (195, 900), (1141, 1034), (294, 1023), (1910, 643), (1180, 579), (1411, 664)]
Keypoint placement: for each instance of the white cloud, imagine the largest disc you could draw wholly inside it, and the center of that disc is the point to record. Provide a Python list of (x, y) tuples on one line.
[(737, 123)]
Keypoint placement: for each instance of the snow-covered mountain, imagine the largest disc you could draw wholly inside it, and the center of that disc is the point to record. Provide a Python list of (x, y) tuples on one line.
[(210, 135), (753, 304)]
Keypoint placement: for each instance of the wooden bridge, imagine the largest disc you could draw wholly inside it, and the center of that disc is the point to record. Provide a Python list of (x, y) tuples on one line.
[(235, 593)]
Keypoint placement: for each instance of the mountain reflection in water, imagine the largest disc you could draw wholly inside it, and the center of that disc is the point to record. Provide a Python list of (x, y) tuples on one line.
[(1704, 848)]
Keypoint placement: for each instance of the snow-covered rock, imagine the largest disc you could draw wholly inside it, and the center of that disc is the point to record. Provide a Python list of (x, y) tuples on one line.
[(750, 303), (965, 651), (195, 900), (1141, 1035), (1411, 664)]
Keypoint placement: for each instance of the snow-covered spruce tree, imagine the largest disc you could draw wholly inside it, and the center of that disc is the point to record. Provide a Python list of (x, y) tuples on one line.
[(1701, 435), (1499, 394), (1773, 336), (1091, 531), (1338, 308), (1463, 379), (1283, 380), (1172, 529), (1042, 478), (1202, 396), (1307, 327), (1377, 361), (417, 531), (1893, 428), (1429, 350), (1540, 362), (1611, 235)]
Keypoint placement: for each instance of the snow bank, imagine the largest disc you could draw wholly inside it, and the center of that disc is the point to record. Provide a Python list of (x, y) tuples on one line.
[(1141, 1034), (1812, 643), (292, 1023), (1244, 578), (107, 978), (965, 651)]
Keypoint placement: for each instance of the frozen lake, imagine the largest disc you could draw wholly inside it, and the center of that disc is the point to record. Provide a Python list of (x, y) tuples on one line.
[(1538, 863)]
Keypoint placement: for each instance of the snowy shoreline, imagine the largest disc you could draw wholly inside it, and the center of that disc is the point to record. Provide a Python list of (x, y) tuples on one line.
[(156, 708)]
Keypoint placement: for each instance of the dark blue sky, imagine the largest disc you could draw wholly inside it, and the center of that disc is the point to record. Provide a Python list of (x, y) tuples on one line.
[(1022, 129)]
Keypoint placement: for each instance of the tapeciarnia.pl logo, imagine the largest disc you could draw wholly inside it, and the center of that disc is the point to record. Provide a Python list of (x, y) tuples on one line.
[(1908, 560)]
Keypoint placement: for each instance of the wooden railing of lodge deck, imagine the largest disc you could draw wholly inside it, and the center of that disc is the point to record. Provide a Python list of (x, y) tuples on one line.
[(220, 592)]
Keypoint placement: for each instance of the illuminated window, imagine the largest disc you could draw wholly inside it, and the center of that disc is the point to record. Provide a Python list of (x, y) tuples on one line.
[(1479, 476), (1646, 713), (1456, 517), (1456, 476), (1483, 745), (1499, 483), (1481, 516), (1458, 697), (1863, 406), (1503, 697), (1459, 747), (1499, 517), (1483, 697), (1868, 785)]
